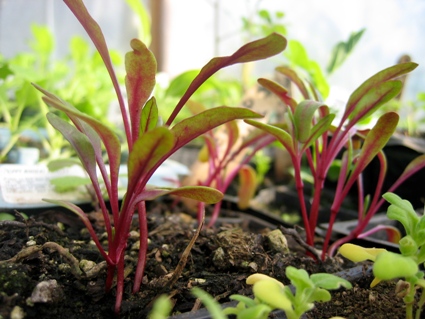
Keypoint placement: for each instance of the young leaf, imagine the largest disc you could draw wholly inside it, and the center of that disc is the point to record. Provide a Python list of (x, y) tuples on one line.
[(79, 142), (149, 117), (357, 253), (247, 186), (194, 126), (329, 281), (140, 65), (210, 303), (299, 278), (203, 194), (373, 99), (389, 265), (95, 33), (269, 292), (279, 91), (293, 76), (281, 135), (375, 140), (402, 211), (380, 77), (342, 50), (319, 129), (147, 152), (303, 117), (253, 51)]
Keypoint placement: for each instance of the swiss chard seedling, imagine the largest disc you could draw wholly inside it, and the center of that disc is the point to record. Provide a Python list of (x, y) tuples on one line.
[(271, 294), (406, 264), (309, 136), (149, 143)]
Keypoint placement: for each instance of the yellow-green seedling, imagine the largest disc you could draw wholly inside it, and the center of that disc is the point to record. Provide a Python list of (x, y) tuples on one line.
[(406, 264), (270, 294)]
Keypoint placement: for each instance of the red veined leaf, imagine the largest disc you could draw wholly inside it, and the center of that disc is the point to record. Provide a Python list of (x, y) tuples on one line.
[(247, 186), (375, 140), (373, 99), (149, 117), (196, 125), (140, 65), (253, 51), (380, 77), (279, 91), (96, 35), (108, 137), (204, 194), (293, 76), (415, 164), (317, 130), (281, 135), (79, 142)]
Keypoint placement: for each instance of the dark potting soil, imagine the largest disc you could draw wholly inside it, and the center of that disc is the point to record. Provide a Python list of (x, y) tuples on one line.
[(42, 249)]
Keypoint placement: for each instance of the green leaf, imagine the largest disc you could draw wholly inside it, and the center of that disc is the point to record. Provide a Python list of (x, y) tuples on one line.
[(144, 20), (253, 51), (320, 295), (149, 117), (269, 292), (298, 56), (389, 265), (303, 117), (44, 41), (319, 129), (299, 278), (342, 50), (55, 165), (402, 211), (329, 281), (140, 65), (248, 302), (69, 183), (210, 303), (260, 311)]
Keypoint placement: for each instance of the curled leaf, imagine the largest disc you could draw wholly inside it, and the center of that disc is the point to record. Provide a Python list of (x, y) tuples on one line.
[(389, 265), (358, 253), (247, 186)]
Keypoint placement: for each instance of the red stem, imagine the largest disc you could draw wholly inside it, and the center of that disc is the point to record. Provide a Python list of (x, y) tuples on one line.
[(141, 263), (120, 284)]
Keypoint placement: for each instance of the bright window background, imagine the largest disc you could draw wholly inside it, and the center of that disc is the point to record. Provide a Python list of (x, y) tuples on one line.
[(194, 31)]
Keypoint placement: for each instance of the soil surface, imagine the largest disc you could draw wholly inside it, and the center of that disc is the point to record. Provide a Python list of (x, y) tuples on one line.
[(42, 274)]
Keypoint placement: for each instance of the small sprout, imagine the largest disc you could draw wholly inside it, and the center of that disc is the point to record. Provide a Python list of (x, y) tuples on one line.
[(161, 308), (389, 265), (271, 294), (358, 253)]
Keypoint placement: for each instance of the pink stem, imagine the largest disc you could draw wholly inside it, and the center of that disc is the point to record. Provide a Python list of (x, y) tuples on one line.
[(141, 263)]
